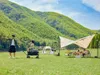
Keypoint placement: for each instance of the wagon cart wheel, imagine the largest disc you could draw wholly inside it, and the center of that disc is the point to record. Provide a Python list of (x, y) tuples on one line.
[(28, 56)]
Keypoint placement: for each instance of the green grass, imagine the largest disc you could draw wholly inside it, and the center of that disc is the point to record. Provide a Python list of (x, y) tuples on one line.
[(48, 65)]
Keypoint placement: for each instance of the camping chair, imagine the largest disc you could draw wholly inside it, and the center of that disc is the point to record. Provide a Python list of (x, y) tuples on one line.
[(88, 54), (71, 54)]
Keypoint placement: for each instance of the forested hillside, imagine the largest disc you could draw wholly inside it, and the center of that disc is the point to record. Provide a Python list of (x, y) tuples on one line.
[(99, 31), (8, 27), (21, 16), (64, 24)]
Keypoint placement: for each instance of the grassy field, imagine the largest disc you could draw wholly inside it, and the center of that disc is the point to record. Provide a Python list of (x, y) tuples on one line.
[(48, 65)]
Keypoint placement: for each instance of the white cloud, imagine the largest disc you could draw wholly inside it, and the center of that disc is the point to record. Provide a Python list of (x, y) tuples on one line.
[(39, 5), (49, 1), (74, 14), (95, 4), (47, 8)]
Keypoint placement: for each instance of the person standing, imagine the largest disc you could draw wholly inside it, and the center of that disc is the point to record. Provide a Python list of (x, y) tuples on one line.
[(12, 47)]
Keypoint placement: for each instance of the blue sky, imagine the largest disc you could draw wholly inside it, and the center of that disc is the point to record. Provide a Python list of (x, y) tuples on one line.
[(85, 12)]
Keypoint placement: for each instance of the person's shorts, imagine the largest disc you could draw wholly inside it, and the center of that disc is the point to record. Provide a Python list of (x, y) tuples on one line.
[(12, 49)]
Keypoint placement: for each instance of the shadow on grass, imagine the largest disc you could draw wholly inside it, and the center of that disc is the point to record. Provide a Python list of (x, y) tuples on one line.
[(92, 57), (25, 58)]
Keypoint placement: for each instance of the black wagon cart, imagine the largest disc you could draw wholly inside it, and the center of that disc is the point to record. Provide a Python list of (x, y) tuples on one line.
[(33, 53)]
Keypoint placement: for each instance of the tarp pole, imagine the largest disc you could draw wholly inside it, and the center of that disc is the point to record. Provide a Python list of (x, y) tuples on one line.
[(59, 46), (98, 44)]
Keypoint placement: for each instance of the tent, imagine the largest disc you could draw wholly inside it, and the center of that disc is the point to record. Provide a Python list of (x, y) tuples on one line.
[(47, 47)]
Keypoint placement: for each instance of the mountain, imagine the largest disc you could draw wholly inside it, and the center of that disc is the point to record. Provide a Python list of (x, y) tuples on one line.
[(8, 27), (21, 16), (44, 27), (39, 22), (64, 24)]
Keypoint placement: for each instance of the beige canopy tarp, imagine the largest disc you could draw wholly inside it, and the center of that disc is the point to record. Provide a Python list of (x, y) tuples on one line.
[(65, 42), (83, 42)]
